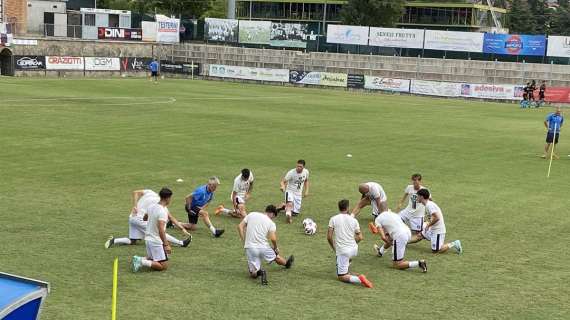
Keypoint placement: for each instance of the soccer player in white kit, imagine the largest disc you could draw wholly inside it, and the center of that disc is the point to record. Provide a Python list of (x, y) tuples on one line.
[(157, 246), (434, 229), (292, 184), (396, 234), (413, 214), (372, 194), (243, 185), (142, 201), (343, 237), (254, 230)]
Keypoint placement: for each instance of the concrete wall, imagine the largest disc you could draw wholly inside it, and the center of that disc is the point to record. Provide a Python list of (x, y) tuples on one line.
[(36, 9), (89, 48)]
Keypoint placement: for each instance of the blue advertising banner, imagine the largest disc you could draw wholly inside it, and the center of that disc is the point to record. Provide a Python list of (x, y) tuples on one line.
[(513, 44)]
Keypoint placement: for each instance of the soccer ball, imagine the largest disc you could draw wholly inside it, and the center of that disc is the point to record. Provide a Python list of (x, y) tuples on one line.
[(309, 226)]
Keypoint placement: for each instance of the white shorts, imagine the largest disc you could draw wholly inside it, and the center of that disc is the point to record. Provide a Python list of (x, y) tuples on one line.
[(296, 199), (375, 209), (238, 200), (437, 239), (155, 251), (343, 261), (415, 223), (137, 227), (254, 256), (399, 247)]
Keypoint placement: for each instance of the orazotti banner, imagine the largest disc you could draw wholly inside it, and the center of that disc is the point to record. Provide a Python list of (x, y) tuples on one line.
[(491, 91), (102, 64), (436, 88), (387, 84), (260, 74), (167, 29), (224, 30), (338, 33), (64, 63), (396, 38), (453, 41), (254, 32), (514, 44), (558, 46), (319, 78), (288, 35)]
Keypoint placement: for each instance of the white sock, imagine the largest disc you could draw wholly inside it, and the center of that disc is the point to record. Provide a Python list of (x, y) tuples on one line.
[(125, 241), (414, 264), (288, 213), (146, 263), (227, 211), (354, 279), (212, 228), (382, 250), (171, 239)]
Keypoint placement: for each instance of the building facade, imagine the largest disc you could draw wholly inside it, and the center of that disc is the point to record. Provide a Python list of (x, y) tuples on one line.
[(14, 12)]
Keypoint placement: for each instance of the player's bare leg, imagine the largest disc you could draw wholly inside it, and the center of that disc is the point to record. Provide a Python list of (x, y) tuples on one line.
[(206, 217), (289, 212)]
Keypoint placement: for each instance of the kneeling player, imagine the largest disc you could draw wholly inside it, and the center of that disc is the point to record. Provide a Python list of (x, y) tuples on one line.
[(434, 229), (396, 234), (142, 201), (243, 184), (196, 204), (346, 231), (254, 230)]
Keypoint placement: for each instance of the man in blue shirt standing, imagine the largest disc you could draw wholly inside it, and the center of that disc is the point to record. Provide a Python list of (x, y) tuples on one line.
[(553, 122), (196, 204), (153, 66)]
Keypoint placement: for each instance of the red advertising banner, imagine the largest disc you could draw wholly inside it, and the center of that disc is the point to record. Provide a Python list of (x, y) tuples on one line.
[(557, 94), (124, 34)]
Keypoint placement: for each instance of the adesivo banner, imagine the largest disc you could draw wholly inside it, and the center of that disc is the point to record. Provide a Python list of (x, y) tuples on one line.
[(387, 84), (558, 46), (491, 91), (319, 78), (436, 88), (337, 33), (260, 74), (396, 38), (32, 63), (225, 30), (64, 63), (102, 64), (254, 32), (288, 35), (167, 29), (513, 44), (454, 41)]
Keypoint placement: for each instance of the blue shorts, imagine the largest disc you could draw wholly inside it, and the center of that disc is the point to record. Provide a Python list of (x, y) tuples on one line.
[(550, 136)]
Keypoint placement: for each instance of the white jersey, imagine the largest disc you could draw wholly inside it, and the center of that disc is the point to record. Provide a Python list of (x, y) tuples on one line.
[(241, 187), (415, 208), (392, 224), (258, 226), (375, 191), (431, 210), (345, 227), (148, 199), (296, 181), (156, 213)]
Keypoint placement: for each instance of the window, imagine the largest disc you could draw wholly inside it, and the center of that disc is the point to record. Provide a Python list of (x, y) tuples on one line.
[(89, 19), (114, 20)]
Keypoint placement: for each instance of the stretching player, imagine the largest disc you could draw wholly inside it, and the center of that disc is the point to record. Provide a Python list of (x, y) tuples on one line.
[(142, 201), (434, 230), (413, 214), (243, 185), (292, 185), (396, 234), (254, 230), (347, 235), (196, 204), (372, 194)]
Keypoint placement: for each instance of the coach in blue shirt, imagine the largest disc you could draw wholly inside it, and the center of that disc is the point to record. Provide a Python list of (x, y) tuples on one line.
[(196, 204), (553, 122), (153, 66)]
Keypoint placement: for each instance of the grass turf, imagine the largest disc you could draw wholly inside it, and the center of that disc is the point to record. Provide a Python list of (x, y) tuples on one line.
[(73, 150)]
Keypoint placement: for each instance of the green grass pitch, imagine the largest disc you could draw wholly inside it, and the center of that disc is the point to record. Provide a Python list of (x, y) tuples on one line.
[(73, 150)]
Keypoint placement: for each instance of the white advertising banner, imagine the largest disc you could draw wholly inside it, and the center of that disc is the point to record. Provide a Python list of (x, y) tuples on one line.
[(102, 64), (64, 63), (337, 33), (167, 29), (148, 31), (260, 74), (454, 41), (436, 88), (491, 91), (396, 38), (255, 32), (558, 46), (388, 84)]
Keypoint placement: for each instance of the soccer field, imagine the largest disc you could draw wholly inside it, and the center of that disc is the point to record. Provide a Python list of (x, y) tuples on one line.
[(73, 150)]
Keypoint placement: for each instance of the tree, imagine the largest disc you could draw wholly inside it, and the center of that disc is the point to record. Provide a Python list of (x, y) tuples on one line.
[(520, 18), (542, 16), (561, 22), (375, 13)]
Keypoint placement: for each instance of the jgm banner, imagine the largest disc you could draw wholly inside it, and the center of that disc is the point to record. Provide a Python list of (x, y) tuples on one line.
[(513, 44), (119, 34), (180, 68), (259, 74), (387, 84), (167, 29), (135, 64), (30, 63), (396, 38), (337, 33), (319, 78), (102, 64), (558, 46), (454, 41), (64, 63)]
